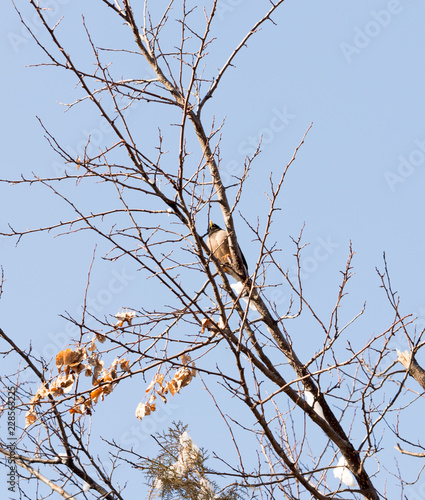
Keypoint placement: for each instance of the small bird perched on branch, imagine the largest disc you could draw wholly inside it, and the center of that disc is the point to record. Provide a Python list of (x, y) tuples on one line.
[(218, 244)]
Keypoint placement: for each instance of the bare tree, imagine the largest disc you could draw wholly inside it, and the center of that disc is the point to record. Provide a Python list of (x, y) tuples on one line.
[(318, 423)]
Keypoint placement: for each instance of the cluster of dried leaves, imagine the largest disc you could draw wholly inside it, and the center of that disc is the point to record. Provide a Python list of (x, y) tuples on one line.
[(70, 364), (181, 378), (125, 316)]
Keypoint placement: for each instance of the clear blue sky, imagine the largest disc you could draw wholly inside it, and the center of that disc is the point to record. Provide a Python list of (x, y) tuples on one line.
[(356, 70)]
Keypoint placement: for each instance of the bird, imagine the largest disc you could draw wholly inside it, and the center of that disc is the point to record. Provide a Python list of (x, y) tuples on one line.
[(218, 245)]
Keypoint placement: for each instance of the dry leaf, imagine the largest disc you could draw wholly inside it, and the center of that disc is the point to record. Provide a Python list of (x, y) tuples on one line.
[(152, 399), (92, 346), (124, 316), (125, 365), (144, 409), (30, 417), (81, 407), (70, 358), (173, 387), (96, 394), (42, 393), (183, 376), (185, 359), (207, 324), (78, 368), (153, 382), (97, 364), (78, 407), (62, 385), (100, 337)]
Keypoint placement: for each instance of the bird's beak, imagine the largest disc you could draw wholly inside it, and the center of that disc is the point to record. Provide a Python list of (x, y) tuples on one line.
[(211, 223)]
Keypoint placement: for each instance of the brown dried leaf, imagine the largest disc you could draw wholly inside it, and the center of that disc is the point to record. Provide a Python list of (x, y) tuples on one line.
[(162, 389), (153, 382), (207, 324), (105, 387), (125, 315), (125, 365), (78, 368), (81, 407), (100, 337), (92, 346), (172, 386), (60, 359), (185, 359), (96, 394), (182, 377), (70, 358), (41, 393), (77, 409), (30, 417), (152, 398), (114, 365), (97, 366), (62, 385), (144, 409)]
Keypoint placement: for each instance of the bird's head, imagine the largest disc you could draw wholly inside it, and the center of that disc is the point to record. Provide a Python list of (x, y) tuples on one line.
[(212, 228)]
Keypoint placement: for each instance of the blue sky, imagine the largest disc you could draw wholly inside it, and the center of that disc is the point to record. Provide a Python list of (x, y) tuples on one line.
[(354, 70)]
